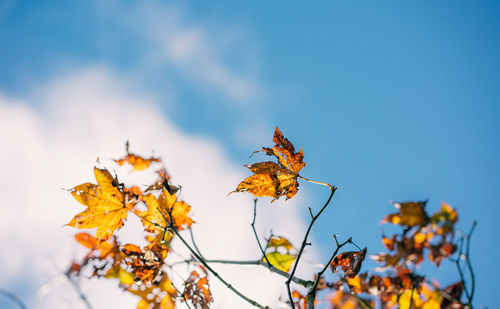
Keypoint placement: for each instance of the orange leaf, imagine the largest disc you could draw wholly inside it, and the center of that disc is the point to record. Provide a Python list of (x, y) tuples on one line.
[(138, 163), (158, 212), (197, 290), (350, 262), (92, 243), (275, 179)]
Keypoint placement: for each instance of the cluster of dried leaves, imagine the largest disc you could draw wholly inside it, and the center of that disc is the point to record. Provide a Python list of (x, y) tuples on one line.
[(140, 271), (143, 271), (396, 284)]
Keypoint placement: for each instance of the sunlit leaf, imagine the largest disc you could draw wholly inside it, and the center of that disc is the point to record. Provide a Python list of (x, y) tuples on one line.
[(106, 209), (275, 179), (138, 163), (157, 217), (280, 260), (350, 262)]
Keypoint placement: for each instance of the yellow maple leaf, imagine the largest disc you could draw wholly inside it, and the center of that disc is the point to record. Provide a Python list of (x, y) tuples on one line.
[(105, 203), (275, 179), (157, 216)]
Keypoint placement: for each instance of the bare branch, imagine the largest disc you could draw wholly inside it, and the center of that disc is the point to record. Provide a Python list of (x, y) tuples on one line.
[(202, 261), (77, 289), (304, 241), (255, 233)]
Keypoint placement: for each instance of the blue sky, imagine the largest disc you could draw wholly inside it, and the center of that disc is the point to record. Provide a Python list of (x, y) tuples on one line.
[(390, 100)]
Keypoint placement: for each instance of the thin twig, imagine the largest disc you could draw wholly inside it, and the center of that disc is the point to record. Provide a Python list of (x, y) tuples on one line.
[(304, 241), (313, 290), (363, 303), (459, 268), (469, 264), (300, 281), (256, 235), (194, 242), (77, 289), (13, 298), (411, 296), (202, 261)]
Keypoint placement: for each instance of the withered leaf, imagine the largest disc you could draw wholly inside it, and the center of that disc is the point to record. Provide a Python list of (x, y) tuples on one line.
[(197, 290), (350, 262), (275, 179), (145, 265)]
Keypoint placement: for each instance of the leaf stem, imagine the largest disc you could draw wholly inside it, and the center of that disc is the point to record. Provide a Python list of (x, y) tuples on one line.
[(317, 182)]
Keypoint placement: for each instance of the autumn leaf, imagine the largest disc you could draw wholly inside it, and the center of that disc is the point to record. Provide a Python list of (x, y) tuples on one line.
[(279, 241), (153, 295), (282, 261), (350, 262), (106, 209), (92, 243), (445, 219), (126, 278), (275, 179), (158, 212), (138, 163), (410, 214), (145, 265), (197, 290)]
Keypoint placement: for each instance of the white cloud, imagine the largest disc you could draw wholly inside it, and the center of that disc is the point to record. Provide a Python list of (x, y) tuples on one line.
[(52, 140), (198, 53)]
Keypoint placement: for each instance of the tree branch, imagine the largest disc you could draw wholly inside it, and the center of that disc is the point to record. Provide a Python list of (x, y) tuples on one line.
[(77, 289), (255, 233), (304, 241), (202, 261), (311, 294)]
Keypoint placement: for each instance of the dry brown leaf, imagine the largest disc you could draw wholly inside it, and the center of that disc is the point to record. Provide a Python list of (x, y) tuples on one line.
[(275, 179)]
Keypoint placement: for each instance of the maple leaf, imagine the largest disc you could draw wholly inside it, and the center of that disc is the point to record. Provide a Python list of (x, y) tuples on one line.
[(350, 262), (159, 209), (106, 208), (138, 163), (146, 265), (197, 290), (275, 179)]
